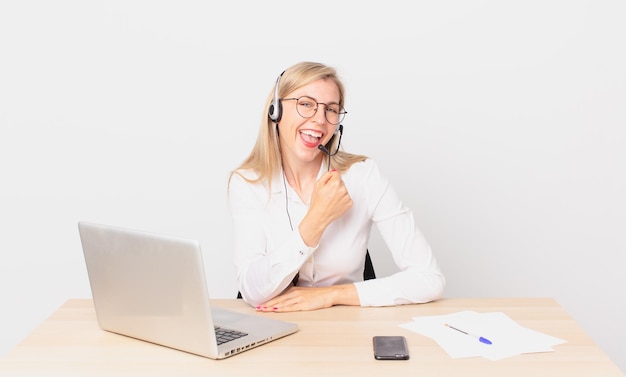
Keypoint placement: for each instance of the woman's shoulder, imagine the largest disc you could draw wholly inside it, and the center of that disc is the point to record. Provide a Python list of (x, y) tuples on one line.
[(365, 166), (249, 182), (365, 181), (242, 179), (364, 172), (249, 175)]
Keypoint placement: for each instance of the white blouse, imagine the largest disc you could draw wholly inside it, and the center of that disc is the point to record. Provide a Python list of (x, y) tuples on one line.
[(269, 253)]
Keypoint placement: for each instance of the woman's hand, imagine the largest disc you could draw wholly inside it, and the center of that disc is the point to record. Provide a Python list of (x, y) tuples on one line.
[(329, 201), (311, 298)]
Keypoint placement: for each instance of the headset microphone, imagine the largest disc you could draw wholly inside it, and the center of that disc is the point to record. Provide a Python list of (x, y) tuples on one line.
[(325, 150), (322, 148)]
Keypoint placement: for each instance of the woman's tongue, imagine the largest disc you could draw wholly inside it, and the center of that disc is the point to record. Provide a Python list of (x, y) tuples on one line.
[(309, 140)]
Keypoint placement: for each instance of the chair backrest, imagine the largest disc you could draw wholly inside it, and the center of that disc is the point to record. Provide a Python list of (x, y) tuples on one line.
[(368, 271)]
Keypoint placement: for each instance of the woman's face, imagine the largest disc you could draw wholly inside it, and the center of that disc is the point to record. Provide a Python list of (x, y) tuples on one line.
[(300, 136)]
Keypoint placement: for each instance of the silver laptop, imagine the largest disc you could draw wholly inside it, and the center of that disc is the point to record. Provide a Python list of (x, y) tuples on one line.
[(152, 287)]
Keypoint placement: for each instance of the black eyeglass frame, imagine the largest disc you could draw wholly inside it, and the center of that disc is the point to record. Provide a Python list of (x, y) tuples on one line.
[(341, 114)]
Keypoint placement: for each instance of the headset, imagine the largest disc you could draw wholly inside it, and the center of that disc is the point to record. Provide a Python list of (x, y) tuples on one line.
[(276, 108)]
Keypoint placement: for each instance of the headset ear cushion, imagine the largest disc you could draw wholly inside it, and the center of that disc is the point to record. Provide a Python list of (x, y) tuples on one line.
[(275, 111), (270, 112), (276, 108)]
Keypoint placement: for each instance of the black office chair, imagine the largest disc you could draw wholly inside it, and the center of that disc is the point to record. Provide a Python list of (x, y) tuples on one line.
[(368, 271)]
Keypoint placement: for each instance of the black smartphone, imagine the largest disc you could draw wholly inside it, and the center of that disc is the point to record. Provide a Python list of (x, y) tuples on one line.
[(390, 348)]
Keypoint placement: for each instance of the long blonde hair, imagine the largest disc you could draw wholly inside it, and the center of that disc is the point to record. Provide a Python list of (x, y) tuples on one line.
[(265, 158)]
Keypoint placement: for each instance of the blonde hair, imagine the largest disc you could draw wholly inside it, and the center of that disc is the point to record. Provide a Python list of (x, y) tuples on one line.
[(265, 158)]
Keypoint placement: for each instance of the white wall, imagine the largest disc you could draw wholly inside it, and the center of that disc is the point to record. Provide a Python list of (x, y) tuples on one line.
[(502, 124)]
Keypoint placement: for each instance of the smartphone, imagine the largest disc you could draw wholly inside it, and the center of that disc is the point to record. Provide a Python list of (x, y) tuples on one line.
[(390, 348)]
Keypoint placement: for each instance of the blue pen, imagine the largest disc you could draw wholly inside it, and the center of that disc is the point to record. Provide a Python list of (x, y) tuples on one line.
[(480, 338)]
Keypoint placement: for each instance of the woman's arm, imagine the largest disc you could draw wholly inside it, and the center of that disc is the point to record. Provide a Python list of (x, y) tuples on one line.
[(312, 298), (420, 278), (266, 263)]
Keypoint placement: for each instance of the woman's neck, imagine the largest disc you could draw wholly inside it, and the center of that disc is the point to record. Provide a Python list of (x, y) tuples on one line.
[(301, 176)]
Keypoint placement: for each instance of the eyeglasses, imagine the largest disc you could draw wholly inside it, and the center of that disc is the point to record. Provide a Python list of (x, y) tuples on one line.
[(307, 107)]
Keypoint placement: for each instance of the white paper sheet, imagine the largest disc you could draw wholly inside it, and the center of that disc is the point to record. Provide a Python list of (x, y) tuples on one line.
[(507, 336)]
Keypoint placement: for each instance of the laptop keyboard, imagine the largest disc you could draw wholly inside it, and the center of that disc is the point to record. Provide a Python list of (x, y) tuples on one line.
[(226, 335)]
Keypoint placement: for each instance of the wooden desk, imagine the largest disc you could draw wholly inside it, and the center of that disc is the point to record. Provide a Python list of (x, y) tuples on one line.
[(330, 342)]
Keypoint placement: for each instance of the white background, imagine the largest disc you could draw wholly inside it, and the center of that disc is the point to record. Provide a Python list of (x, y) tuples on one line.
[(501, 124)]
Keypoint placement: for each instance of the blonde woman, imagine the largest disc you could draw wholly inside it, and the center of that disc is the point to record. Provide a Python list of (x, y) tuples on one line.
[(303, 208)]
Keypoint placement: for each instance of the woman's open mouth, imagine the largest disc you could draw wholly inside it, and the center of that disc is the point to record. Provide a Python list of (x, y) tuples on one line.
[(311, 138)]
